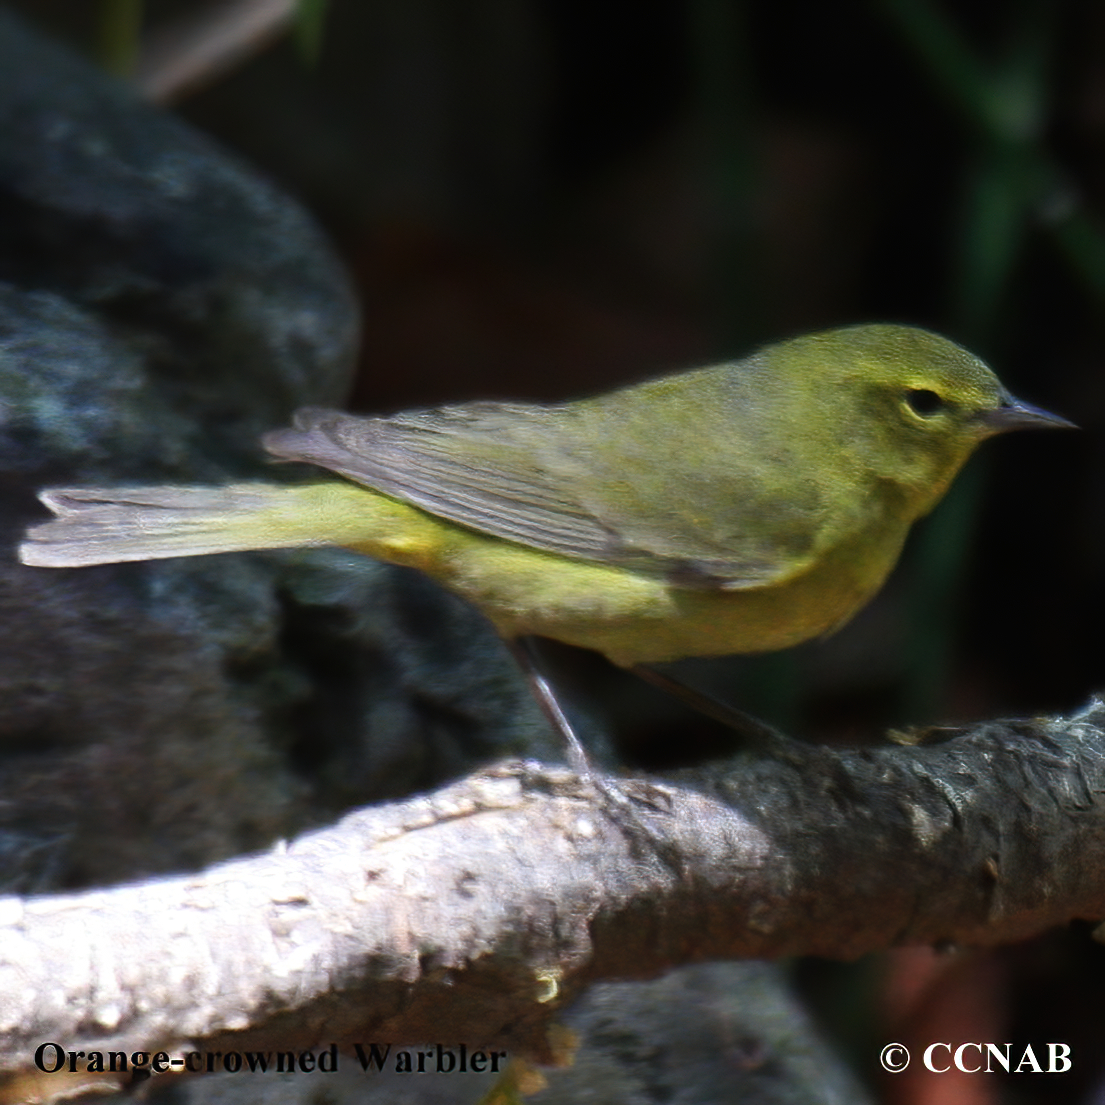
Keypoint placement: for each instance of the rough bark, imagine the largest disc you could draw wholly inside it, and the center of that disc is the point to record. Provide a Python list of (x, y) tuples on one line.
[(472, 913)]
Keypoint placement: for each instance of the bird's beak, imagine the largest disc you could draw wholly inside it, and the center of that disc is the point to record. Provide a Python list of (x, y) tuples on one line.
[(1013, 414)]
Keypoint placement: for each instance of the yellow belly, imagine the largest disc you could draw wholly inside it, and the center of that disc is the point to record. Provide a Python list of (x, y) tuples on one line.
[(630, 617), (634, 618)]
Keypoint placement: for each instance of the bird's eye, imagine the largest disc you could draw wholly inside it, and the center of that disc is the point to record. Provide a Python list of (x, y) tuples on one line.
[(924, 402)]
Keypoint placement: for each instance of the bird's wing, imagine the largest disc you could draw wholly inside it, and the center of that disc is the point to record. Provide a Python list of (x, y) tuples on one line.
[(517, 472), (463, 463)]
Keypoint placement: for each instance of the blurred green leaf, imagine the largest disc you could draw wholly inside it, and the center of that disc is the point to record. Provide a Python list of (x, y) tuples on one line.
[(1083, 243), (1005, 99), (731, 164), (999, 199), (939, 45), (118, 30), (310, 17), (1010, 173)]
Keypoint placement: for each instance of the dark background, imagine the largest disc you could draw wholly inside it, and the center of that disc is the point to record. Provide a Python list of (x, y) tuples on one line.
[(542, 198)]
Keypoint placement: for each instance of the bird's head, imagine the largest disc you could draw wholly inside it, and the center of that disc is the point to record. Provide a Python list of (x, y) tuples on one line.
[(915, 405)]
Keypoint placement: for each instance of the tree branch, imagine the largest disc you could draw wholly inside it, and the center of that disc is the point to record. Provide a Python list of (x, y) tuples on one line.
[(470, 913)]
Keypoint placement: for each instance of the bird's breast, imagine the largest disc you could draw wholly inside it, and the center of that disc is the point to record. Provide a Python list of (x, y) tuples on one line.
[(633, 617)]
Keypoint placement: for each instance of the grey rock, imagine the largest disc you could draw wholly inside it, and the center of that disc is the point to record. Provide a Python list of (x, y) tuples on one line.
[(222, 287), (714, 1032), (160, 306)]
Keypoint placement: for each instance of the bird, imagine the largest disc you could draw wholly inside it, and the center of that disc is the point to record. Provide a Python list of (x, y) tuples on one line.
[(743, 507)]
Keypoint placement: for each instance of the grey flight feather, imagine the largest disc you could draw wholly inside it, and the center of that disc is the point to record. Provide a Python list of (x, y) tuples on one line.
[(468, 464), (516, 471)]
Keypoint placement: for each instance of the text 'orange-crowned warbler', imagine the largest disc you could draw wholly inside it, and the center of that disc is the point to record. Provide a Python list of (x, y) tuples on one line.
[(739, 508)]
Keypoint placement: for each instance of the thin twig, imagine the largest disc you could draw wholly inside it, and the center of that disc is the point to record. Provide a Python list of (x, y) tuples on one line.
[(186, 53)]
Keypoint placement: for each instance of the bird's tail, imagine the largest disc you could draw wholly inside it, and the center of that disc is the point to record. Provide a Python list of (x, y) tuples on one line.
[(99, 525)]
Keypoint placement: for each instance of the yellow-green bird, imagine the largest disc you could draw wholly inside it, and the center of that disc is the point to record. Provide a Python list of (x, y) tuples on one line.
[(739, 508)]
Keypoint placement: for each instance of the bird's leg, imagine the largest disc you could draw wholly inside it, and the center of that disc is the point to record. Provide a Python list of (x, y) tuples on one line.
[(729, 716), (525, 653), (619, 805)]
